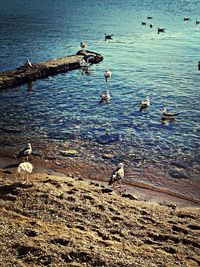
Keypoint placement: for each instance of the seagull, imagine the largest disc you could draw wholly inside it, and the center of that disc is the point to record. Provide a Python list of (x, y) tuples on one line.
[(83, 63), (161, 30), (107, 75), (148, 17), (117, 175), (83, 45), (28, 64), (186, 18), (25, 167), (105, 97), (168, 115), (145, 103), (25, 152), (108, 36)]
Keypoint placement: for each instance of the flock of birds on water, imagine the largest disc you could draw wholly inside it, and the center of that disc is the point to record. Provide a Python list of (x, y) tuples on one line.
[(118, 174)]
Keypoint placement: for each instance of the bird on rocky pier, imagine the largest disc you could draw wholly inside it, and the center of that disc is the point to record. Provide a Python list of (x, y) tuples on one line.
[(118, 175), (27, 151), (28, 64)]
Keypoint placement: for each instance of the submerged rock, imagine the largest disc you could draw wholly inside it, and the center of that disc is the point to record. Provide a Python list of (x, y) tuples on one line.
[(69, 153)]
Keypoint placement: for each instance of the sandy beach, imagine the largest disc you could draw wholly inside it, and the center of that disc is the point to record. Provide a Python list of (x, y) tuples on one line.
[(62, 218)]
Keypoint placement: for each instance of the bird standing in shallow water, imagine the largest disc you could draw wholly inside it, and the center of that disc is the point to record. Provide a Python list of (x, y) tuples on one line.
[(107, 75), (117, 175), (27, 151), (145, 103), (25, 168)]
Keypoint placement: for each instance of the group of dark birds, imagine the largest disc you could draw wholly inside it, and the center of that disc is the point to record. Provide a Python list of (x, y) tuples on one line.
[(160, 30)]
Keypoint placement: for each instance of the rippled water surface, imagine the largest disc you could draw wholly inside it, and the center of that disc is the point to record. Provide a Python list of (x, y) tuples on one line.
[(143, 63)]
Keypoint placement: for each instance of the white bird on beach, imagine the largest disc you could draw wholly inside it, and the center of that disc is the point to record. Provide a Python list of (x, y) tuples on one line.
[(145, 103), (105, 97), (117, 175), (107, 75), (83, 45), (168, 116), (28, 64), (27, 151), (25, 168)]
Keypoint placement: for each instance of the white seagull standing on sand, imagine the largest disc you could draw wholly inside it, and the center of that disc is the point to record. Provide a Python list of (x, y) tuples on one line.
[(105, 97), (25, 168), (107, 75), (145, 103), (83, 45), (168, 115), (117, 175), (27, 151)]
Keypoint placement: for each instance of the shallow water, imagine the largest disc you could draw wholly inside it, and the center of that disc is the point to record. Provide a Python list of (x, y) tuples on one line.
[(143, 63)]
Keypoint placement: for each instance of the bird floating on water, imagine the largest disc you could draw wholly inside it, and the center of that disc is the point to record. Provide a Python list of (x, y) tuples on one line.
[(197, 22), (108, 36), (25, 168), (145, 103), (186, 18), (83, 45), (168, 116), (149, 17), (199, 65), (27, 151), (161, 30), (28, 64), (151, 26), (105, 97), (144, 23), (117, 175), (107, 75)]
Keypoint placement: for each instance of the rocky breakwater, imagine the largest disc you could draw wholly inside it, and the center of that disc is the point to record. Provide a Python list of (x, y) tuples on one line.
[(24, 74)]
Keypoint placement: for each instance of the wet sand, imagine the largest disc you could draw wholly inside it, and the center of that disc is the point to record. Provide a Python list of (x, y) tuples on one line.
[(145, 183)]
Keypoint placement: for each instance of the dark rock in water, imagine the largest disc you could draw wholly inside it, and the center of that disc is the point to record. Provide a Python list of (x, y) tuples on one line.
[(130, 196), (108, 138), (179, 174)]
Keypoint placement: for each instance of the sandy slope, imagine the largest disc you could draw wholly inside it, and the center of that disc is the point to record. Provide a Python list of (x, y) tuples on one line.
[(65, 221)]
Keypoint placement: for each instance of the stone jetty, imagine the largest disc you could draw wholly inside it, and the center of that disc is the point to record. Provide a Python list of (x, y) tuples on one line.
[(24, 74)]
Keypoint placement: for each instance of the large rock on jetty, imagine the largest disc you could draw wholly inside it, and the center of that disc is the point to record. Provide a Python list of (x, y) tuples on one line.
[(26, 74)]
